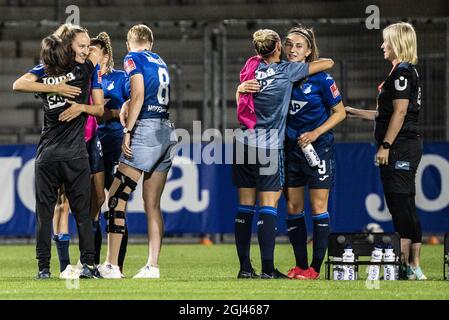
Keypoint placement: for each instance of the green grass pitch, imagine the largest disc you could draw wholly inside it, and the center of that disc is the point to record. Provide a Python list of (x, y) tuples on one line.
[(205, 273)]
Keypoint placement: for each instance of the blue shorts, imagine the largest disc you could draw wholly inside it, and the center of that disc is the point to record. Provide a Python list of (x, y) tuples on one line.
[(262, 169), (153, 144), (300, 174), (95, 155), (112, 149)]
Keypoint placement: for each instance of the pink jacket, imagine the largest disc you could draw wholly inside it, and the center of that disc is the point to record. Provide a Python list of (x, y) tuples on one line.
[(245, 108)]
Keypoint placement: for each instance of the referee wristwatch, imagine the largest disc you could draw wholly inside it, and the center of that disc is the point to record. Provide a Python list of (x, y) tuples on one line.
[(386, 145), (126, 130)]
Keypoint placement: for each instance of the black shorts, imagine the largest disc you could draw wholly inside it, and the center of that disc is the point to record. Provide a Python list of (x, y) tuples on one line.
[(399, 175), (300, 174), (95, 155), (262, 169)]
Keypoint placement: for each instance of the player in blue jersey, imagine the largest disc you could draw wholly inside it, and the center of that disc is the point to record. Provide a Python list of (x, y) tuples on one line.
[(110, 131), (315, 109), (147, 148), (258, 167)]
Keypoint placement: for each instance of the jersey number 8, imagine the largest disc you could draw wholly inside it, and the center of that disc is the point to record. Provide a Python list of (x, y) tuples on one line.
[(162, 93)]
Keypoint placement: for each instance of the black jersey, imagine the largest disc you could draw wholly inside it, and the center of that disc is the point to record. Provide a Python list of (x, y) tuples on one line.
[(64, 140), (402, 83)]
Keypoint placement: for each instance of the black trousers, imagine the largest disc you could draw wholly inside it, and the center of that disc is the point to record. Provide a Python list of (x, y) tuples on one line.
[(49, 176)]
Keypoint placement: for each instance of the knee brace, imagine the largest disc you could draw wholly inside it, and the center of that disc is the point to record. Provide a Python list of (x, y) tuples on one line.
[(111, 215)]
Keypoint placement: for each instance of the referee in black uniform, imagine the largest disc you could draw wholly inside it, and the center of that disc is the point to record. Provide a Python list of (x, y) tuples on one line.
[(399, 143), (61, 154)]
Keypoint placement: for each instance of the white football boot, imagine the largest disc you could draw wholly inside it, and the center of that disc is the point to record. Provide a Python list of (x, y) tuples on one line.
[(70, 273), (109, 271), (148, 272)]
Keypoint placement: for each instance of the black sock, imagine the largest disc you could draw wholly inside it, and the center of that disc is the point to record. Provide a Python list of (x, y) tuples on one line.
[(321, 231), (243, 230), (123, 246), (62, 245), (98, 240), (297, 232), (266, 234)]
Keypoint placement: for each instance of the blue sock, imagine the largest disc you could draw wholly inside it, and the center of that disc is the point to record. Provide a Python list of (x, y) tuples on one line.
[(266, 234), (297, 232), (243, 225), (62, 245), (321, 231)]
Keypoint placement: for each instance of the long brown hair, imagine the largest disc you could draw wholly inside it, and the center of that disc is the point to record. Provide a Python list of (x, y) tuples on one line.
[(65, 56), (55, 56), (104, 41), (309, 35)]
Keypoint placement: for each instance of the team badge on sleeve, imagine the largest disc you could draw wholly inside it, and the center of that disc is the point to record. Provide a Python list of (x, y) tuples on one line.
[(334, 90), (99, 76), (129, 65)]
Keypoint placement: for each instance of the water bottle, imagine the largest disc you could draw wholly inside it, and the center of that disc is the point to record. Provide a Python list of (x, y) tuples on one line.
[(390, 270), (337, 269), (376, 256), (348, 270), (311, 156)]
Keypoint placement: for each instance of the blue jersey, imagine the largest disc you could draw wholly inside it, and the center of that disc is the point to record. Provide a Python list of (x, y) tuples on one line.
[(96, 78), (310, 106), (115, 88), (272, 101), (156, 81)]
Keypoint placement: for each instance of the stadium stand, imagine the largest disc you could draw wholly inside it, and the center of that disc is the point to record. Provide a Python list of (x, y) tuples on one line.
[(180, 26)]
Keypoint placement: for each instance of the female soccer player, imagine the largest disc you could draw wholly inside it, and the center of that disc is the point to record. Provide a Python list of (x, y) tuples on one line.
[(110, 132), (147, 148), (61, 155), (263, 180), (397, 136), (61, 213), (315, 109)]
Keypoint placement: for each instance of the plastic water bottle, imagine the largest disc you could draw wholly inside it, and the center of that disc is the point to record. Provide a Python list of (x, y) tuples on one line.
[(348, 270), (337, 269), (376, 256), (390, 270), (311, 156)]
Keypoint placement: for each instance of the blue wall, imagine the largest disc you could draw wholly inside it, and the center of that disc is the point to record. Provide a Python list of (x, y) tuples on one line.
[(200, 198)]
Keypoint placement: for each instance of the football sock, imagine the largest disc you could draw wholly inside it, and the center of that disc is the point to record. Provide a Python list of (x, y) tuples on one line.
[(243, 228), (321, 231), (297, 232), (266, 234)]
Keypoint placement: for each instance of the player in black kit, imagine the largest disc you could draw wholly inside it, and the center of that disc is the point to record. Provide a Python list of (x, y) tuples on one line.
[(62, 157)]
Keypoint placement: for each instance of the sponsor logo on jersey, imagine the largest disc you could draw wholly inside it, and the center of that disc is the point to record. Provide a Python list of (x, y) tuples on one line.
[(400, 84), (265, 84), (295, 106), (129, 65), (158, 109), (262, 74), (334, 90)]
